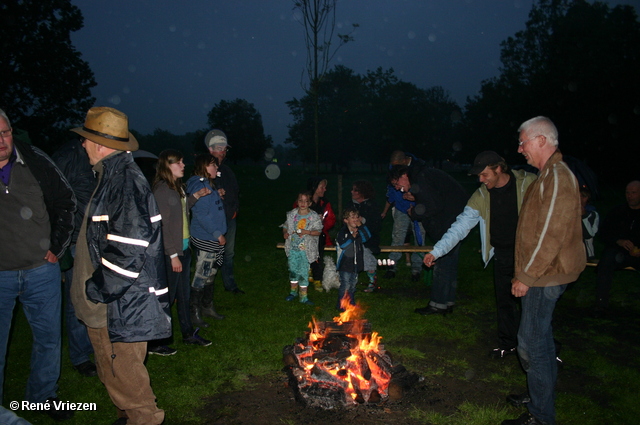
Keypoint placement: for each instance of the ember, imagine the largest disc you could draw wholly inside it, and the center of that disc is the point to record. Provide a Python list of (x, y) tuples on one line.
[(341, 363)]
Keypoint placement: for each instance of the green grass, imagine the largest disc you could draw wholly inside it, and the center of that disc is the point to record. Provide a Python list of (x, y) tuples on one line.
[(249, 342)]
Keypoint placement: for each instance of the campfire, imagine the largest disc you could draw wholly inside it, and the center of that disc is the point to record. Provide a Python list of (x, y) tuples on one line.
[(342, 363)]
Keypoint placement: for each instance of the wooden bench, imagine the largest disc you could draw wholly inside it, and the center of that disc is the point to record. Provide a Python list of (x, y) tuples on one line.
[(383, 248), (594, 263)]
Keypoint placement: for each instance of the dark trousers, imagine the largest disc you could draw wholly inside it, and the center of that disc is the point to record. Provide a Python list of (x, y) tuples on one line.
[(180, 290), (317, 267), (507, 305)]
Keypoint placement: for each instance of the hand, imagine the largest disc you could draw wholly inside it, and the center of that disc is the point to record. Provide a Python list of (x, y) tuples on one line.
[(50, 257), (202, 192), (383, 214), (626, 244), (221, 192), (176, 265), (635, 252), (428, 260), (408, 196), (286, 235), (222, 240), (518, 289)]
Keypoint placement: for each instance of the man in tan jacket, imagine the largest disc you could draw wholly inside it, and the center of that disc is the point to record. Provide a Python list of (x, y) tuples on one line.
[(549, 255)]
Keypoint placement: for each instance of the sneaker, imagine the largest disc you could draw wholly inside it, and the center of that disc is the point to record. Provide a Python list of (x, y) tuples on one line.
[(524, 419), (196, 339), (57, 414), (307, 302), (390, 274), (500, 353), (428, 310), (518, 400), (370, 288), (87, 369), (290, 297), (162, 350)]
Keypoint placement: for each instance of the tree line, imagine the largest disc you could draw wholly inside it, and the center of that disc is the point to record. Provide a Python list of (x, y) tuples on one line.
[(576, 62)]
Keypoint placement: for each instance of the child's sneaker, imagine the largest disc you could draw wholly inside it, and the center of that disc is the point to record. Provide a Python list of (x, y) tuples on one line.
[(370, 288), (291, 297), (307, 302)]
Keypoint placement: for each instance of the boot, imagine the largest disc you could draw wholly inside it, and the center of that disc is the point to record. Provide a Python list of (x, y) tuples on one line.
[(206, 306), (194, 307)]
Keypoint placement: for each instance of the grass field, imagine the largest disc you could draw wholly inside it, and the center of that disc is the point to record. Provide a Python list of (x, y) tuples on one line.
[(600, 383)]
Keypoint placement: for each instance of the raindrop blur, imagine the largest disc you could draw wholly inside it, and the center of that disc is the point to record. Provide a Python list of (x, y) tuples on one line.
[(269, 154), (26, 213), (115, 99), (573, 86), (132, 68), (411, 35), (469, 374), (247, 258), (420, 209), (44, 243), (432, 37), (457, 146), (272, 171), (172, 28)]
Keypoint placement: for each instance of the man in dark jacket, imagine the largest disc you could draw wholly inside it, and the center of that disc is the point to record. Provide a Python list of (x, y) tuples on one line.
[(119, 285), (36, 222), (216, 142), (439, 199), (74, 164), (620, 233)]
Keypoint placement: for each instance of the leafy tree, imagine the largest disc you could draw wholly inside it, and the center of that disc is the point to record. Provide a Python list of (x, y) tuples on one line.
[(576, 62), (367, 117), (242, 124), (319, 20), (45, 85)]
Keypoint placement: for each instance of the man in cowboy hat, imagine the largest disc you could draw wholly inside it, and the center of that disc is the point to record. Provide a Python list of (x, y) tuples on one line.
[(36, 211), (119, 283)]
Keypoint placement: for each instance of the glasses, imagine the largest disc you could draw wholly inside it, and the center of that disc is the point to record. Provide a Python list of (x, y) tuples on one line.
[(5, 134), (221, 148), (522, 142)]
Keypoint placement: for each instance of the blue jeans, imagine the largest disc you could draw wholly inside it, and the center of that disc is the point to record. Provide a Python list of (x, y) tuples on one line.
[(7, 417), (401, 226), (79, 344), (537, 350), (229, 250), (348, 281), (40, 293), (445, 280)]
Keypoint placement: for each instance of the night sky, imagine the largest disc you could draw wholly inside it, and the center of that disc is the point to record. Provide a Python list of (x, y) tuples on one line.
[(166, 63)]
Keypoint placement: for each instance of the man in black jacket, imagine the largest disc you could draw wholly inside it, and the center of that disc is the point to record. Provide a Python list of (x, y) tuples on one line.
[(620, 232), (439, 199), (36, 211), (216, 142), (119, 287), (74, 164)]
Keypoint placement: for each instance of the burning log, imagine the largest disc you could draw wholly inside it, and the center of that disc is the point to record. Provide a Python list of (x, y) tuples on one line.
[(341, 363)]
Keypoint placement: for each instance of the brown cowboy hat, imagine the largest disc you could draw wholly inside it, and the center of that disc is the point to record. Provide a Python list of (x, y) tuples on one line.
[(108, 127)]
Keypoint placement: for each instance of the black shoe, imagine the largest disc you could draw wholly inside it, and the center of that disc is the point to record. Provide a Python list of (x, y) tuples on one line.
[(501, 353), (195, 339), (524, 419), (415, 277), (162, 350), (518, 400), (87, 369), (121, 421), (425, 311), (59, 414), (235, 291), (390, 274)]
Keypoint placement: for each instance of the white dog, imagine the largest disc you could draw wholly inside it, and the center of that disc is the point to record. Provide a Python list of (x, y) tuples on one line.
[(330, 278)]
